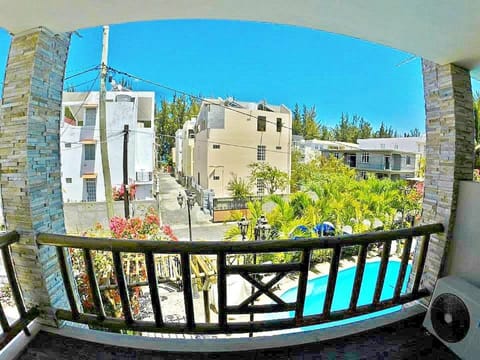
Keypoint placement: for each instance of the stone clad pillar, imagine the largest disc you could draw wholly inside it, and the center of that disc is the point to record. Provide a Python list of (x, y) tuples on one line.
[(449, 154), (30, 175)]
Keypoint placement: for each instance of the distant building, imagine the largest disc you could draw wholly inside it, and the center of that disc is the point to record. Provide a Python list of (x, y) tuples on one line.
[(230, 134), (183, 153), (395, 158), (309, 149), (82, 176)]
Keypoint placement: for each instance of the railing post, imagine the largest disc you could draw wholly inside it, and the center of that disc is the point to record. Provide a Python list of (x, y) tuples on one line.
[(382, 271), (302, 285), (92, 281), (357, 283), (422, 255), (187, 290), (332, 280), (122, 287), (222, 290)]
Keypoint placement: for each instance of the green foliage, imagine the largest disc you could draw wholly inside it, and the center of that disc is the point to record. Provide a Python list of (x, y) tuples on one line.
[(169, 118), (331, 192), (273, 178), (239, 188)]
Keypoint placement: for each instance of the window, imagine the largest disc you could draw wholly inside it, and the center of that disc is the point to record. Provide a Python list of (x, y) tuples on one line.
[(90, 116), (278, 147), (91, 189), (68, 145), (336, 155), (261, 123), (191, 134), (260, 187), (365, 157), (363, 174), (396, 146), (216, 177), (68, 180), (216, 146), (261, 152), (408, 160), (89, 151), (142, 176), (279, 125)]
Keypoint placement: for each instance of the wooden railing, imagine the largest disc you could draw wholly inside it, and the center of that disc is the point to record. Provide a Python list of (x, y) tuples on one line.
[(249, 272), (10, 330)]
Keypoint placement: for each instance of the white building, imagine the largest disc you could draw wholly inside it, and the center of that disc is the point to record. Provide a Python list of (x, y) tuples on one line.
[(82, 176), (407, 144), (309, 149)]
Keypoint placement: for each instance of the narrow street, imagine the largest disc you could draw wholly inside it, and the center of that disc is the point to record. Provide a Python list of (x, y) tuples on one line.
[(175, 216)]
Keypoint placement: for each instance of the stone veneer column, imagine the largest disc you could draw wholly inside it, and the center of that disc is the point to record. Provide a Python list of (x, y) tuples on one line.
[(30, 175), (449, 154)]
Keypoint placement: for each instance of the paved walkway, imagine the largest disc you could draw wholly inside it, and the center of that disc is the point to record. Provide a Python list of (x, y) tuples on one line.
[(177, 218)]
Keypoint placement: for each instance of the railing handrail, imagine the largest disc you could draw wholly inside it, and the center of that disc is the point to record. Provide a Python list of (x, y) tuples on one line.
[(8, 238), (214, 247)]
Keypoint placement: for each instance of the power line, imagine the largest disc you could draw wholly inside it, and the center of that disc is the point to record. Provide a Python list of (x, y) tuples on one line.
[(82, 72), (83, 83), (226, 144), (190, 95)]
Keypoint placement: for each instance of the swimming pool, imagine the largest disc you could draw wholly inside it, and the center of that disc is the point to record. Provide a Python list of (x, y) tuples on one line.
[(316, 288)]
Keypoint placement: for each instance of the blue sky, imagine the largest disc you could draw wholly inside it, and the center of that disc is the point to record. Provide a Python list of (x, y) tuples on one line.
[(257, 61)]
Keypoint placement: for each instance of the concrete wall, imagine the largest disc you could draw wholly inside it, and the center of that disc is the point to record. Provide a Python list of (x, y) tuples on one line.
[(464, 249), (238, 141), (82, 216)]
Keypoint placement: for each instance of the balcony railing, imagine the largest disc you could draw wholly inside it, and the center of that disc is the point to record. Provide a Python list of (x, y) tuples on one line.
[(222, 250), (10, 330)]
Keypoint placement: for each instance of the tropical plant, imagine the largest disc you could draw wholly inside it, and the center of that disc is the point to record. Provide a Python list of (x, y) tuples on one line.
[(240, 188)]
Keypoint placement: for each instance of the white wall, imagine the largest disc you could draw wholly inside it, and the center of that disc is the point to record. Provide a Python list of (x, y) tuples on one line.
[(462, 256), (140, 144)]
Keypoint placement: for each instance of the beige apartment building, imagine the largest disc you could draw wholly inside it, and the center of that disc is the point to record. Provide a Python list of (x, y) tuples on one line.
[(232, 134)]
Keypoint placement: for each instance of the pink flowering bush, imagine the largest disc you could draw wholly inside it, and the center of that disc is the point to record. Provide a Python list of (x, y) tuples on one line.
[(136, 228)]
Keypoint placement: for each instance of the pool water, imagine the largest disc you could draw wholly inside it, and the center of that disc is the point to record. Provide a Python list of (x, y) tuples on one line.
[(316, 289)]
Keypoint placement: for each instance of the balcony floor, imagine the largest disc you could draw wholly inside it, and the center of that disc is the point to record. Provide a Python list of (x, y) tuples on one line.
[(403, 340)]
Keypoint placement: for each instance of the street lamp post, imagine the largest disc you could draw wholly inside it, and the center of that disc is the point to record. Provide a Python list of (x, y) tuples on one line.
[(190, 203), (261, 231)]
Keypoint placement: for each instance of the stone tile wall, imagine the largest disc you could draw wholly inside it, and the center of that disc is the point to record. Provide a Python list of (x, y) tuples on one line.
[(30, 159), (449, 154)]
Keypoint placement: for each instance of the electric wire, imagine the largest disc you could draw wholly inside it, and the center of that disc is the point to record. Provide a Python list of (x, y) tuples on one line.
[(82, 72), (190, 95)]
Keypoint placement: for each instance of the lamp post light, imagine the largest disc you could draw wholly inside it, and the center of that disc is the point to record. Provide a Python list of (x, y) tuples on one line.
[(243, 227)]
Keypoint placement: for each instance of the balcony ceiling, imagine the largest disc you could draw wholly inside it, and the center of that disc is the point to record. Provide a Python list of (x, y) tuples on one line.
[(443, 31)]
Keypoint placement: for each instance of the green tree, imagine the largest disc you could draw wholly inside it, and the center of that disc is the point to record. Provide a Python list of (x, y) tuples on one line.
[(311, 129), (273, 178), (239, 188), (297, 127)]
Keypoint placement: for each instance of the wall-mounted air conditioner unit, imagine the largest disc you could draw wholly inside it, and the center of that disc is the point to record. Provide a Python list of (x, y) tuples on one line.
[(453, 316)]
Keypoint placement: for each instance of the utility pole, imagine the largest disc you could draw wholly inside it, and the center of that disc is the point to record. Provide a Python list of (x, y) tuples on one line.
[(107, 180), (126, 195)]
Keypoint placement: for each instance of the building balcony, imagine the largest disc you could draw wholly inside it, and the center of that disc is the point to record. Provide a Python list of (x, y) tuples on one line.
[(214, 331)]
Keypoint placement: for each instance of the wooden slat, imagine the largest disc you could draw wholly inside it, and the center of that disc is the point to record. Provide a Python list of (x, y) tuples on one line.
[(214, 247), (262, 289), (3, 320), (222, 290), (236, 327), (187, 291), (258, 309), (381, 272), (12, 280), (8, 238), (92, 281), (422, 255), (263, 268), (357, 282), (302, 285), (152, 284), (19, 325), (66, 282), (403, 267), (332, 280), (122, 287)]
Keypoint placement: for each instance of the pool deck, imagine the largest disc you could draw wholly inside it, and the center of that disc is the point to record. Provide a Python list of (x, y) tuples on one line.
[(402, 340)]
